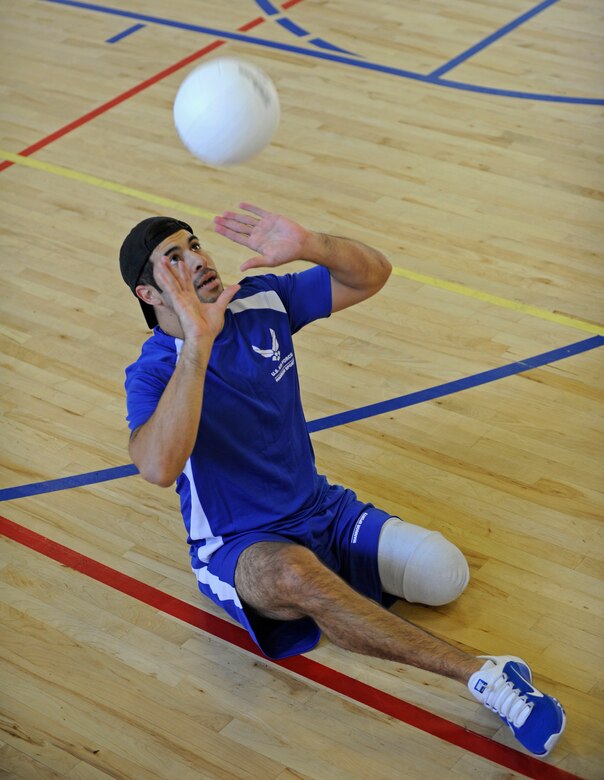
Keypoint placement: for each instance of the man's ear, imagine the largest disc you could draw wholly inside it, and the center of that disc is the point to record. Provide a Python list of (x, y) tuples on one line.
[(148, 294)]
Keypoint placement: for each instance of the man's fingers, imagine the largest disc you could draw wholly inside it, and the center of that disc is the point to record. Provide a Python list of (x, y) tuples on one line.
[(175, 280), (226, 296), (238, 225), (244, 219), (162, 273), (254, 209), (255, 262), (183, 272), (233, 235)]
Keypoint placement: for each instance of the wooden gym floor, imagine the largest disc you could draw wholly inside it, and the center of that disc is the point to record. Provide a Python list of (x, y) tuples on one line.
[(462, 138)]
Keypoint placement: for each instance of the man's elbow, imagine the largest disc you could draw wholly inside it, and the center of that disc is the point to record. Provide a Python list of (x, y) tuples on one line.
[(155, 473), (383, 269), (157, 477), (151, 469)]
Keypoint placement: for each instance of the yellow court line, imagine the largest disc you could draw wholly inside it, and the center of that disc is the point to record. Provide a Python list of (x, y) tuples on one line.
[(432, 281), (104, 184), (496, 300)]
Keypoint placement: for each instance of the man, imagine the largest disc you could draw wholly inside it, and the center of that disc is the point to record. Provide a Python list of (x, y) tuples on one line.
[(214, 404)]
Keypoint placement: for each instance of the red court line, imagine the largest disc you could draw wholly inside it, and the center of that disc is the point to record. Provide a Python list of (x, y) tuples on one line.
[(127, 95), (312, 670)]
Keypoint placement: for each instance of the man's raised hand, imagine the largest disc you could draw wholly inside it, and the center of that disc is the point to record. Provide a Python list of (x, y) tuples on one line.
[(278, 240)]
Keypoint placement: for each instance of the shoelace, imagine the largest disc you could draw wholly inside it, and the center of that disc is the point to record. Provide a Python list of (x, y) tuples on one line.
[(507, 701)]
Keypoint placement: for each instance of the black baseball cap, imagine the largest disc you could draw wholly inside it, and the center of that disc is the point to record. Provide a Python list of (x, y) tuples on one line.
[(136, 249)]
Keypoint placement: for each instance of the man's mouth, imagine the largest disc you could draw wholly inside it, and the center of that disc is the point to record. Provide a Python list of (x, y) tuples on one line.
[(207, 280)]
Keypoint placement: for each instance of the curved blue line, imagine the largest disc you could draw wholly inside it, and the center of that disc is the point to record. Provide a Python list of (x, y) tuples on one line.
[(514, 93), (267, 7), (292, 27), (324, 55), (343, 418)]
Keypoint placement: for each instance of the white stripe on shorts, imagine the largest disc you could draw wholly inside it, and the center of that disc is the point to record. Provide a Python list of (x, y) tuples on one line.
[(223, 590)]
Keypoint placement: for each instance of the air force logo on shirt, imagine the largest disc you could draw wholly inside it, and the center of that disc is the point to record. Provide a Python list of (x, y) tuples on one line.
[(273, 352), (274, 355)]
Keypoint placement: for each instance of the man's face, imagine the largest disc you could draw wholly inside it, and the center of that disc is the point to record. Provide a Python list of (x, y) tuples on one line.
[(182, 247)]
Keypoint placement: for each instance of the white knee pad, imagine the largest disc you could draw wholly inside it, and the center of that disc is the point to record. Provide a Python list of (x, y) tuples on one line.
[(419, 565)]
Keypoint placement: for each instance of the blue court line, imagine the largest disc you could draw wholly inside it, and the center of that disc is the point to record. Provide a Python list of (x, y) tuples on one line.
[(292, 27), (325, 55), (267, 7), (491, 38), (343, 418), (511, 93), (300, 32), (51, 485), (331, 46), (123, 34)]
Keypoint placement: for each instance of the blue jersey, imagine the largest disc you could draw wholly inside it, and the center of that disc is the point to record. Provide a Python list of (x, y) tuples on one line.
[(252, 466)]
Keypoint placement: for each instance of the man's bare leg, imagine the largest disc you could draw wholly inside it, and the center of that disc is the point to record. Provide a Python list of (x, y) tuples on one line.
[(287, 581)]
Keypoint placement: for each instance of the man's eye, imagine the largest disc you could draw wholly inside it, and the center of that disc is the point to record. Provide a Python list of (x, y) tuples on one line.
[(174, 260)]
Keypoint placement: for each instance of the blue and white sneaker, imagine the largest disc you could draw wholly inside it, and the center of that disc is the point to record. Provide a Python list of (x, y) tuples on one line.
[(523, 667), (504, 685)]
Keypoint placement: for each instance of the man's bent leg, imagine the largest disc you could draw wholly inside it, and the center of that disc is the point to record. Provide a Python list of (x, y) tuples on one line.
[(287, 581)]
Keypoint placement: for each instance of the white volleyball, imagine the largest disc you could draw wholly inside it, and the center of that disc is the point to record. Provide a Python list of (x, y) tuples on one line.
[(226, 111)]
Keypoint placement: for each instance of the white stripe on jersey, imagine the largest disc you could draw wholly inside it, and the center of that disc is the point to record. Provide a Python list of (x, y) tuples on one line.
[(223, 590), (262, 300), (199, 525)]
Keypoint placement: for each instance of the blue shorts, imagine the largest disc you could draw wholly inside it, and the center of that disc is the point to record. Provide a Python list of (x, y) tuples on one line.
[(343, 534)]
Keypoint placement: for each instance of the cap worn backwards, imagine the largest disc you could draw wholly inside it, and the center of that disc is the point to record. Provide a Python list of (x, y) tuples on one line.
[(136, 249)]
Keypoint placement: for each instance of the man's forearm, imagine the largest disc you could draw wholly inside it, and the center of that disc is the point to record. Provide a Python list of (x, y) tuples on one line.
[(161, 447), (357, 270), (350, 262)]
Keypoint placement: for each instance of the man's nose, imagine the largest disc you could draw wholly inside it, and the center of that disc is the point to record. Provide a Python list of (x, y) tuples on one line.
[(196, 261)]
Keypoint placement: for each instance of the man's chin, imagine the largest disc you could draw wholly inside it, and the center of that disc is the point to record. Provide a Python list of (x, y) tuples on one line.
[(211, 296)]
